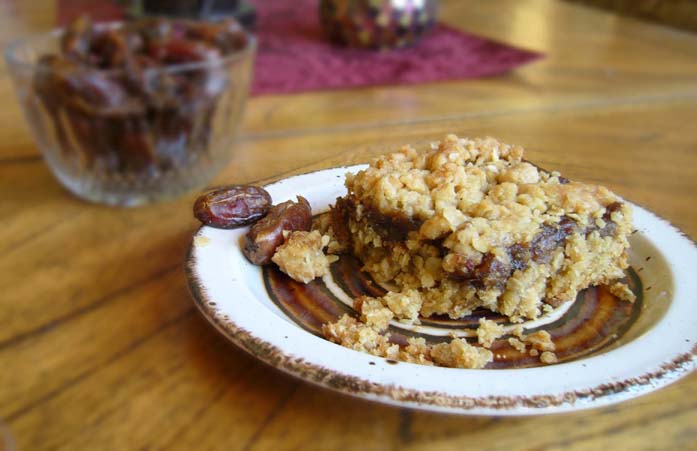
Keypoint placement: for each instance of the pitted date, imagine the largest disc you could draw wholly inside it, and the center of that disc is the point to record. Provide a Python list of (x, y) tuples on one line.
[(266, 235), (232, 206)]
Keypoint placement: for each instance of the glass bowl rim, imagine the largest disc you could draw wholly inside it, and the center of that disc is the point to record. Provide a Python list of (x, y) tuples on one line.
[(13, 47)]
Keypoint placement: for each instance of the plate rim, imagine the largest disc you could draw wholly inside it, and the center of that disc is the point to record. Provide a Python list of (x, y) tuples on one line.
[(604, 394)]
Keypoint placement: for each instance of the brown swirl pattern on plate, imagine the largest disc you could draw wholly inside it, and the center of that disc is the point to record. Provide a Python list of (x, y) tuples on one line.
[(595, 321)]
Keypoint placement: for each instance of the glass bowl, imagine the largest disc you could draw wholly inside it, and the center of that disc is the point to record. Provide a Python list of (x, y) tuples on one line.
[(109, 144)]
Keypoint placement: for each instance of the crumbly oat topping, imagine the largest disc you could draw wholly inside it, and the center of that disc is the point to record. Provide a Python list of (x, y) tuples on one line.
[(518, 331), (374, 313), (460, 354), (302, 256), (540, 340), (353, 334), (405, 305), (622, 291), (369, 337), (488, 331), (548, 357), (416, 351), (516, 344)]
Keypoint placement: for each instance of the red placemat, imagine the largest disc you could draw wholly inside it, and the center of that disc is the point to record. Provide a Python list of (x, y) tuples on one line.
[(294, 55)]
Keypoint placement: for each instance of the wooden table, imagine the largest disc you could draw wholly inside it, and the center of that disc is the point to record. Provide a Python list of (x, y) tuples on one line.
[(100, 345)]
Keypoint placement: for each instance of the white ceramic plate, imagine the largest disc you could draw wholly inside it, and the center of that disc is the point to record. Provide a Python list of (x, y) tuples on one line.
[(660, 348)]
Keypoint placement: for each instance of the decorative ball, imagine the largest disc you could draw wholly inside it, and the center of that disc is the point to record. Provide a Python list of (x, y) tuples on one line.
[(377, 23)]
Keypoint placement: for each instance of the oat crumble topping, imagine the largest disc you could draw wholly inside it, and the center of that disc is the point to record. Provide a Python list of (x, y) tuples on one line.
[(488, 331), (302, 256), (460, 354), (517, 344), (540, 340), (548, 357)]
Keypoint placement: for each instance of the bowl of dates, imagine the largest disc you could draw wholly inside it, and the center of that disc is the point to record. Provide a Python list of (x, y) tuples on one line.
[(134, 112)]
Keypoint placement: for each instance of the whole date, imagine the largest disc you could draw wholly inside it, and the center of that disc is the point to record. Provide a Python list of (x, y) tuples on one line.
[(270, 232), (232, 206)]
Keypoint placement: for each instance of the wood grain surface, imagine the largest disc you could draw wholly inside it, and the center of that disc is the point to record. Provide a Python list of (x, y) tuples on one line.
[(100, 345)]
